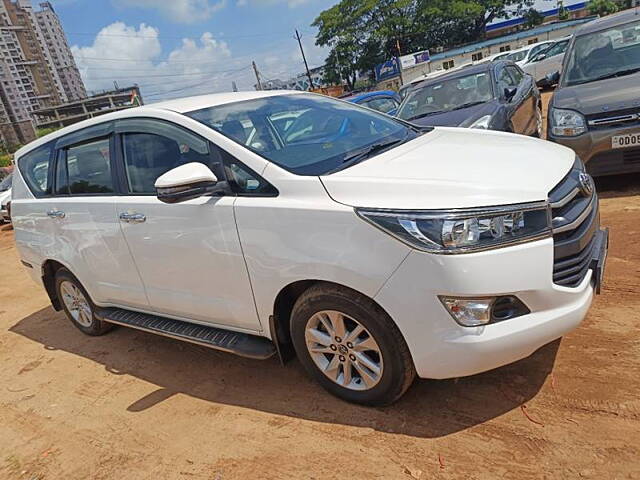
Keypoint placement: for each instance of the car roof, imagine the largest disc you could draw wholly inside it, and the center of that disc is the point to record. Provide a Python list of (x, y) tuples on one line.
[(363, 96), (609, 21), (469, 69), (179, 105)]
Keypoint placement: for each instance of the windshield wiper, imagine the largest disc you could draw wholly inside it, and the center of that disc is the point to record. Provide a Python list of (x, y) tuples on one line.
[(467, 105), (422, 115), (621, 73), (364, 153)]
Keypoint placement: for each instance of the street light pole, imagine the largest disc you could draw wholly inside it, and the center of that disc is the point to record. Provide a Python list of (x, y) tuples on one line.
[(305, 59)]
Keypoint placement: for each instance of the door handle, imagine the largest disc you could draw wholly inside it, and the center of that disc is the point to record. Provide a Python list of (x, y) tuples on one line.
[(133, 217), (56, 214)]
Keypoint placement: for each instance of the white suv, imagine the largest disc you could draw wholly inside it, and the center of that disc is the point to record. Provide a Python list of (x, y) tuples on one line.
[(279, 222)]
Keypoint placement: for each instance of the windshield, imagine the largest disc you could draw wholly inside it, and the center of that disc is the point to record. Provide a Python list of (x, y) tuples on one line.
[(605, 54), (517, 56), (5, 184), (447, 95), (305, 134)]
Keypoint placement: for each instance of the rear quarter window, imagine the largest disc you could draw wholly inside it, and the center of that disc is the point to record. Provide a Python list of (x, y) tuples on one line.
[(34, 167)]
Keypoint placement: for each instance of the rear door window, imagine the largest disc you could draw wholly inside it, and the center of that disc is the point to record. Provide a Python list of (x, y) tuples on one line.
[(85, 169), (34, 167)]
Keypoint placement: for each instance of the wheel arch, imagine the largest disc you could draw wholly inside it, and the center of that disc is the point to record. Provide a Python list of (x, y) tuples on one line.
[(49, 269), (279, 321)]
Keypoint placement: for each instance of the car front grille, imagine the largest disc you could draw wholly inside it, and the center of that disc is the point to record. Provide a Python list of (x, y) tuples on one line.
[(575, 222), (627, 117)]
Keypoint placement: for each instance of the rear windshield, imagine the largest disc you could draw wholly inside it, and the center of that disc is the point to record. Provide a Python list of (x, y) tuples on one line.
[(305, 134)]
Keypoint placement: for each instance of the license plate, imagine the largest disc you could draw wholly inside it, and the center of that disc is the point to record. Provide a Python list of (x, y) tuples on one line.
[(626, 141)]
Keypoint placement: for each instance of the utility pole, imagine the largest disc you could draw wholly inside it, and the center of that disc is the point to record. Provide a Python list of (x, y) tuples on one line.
[(234, 87), (255, 69), (305, 59), (398, 61)]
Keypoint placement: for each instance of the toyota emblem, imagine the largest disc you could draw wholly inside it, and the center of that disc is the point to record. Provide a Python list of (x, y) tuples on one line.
[(586, 184)]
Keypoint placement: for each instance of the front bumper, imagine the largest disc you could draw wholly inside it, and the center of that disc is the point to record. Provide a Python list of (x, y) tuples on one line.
[(443, 349), (595, 150)]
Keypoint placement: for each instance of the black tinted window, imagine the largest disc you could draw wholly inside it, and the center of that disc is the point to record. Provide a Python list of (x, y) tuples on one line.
[(34, 167), (149, 155), (516, 73), (85, 169)]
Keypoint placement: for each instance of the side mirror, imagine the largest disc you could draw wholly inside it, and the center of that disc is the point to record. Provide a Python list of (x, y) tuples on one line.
[(509, 93), (553, 78), (187, 182)]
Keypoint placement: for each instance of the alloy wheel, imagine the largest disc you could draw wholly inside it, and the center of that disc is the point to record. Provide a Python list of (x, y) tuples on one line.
[(344, 350), (76, 303)]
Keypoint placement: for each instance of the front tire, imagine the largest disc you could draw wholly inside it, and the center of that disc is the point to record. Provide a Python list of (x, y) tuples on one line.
[(349, 345), (539, 123), (78, 305)]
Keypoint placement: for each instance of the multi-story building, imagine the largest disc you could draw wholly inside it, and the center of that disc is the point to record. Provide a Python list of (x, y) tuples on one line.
[(30, 78), (63, 62)]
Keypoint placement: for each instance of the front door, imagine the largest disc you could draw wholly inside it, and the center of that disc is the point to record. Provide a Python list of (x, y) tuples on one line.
[(188, 254)]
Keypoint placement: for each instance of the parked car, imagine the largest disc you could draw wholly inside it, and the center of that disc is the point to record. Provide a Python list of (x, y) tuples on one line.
[(596, 108), (491, 96), (385, 101), (523, 55), (547, 62), (375, 254), (5, 198)]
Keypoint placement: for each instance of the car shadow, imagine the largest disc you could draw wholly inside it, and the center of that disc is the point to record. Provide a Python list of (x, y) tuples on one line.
[(429, 409), (615, 186)]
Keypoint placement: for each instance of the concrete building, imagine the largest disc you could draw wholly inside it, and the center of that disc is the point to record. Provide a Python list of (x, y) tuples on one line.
[(72, 112), (63, 62), (29, 76), (474, 52), (299, 82)]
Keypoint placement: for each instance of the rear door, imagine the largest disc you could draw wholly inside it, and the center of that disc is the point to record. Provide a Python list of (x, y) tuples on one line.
[(525, 99), (188, 254), (82, 213)]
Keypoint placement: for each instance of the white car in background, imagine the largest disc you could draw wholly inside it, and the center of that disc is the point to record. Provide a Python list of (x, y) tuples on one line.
[(523, 55), (5, 198), (547, 62), (374, 249)]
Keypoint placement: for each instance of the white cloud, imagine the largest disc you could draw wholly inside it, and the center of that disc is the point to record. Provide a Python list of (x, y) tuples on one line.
[(181, 11), (131, 55)]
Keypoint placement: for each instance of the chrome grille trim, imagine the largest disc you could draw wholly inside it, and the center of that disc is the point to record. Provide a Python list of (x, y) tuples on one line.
[(578, 221), (599, 122)]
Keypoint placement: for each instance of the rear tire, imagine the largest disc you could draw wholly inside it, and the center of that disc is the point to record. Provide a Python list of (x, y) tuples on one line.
[(78, 305), (349, 345)]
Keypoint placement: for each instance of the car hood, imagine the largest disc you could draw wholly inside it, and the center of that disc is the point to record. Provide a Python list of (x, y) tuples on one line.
[(600, 97), (456, 117), (454, 168)]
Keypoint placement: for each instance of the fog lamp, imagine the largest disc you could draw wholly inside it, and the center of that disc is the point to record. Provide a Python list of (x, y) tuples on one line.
[(469, 312)]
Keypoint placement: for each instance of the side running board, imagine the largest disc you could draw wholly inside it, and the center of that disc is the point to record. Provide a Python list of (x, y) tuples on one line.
[(243, 344)]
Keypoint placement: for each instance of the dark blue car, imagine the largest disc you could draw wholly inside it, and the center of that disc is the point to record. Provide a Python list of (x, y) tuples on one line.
[(385, 101), (493, 96)]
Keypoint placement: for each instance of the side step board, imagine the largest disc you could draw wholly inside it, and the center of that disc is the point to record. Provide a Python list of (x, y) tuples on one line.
[(243, 344)]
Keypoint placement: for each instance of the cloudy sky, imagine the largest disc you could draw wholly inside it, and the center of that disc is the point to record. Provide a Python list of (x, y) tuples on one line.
[(173, 48)]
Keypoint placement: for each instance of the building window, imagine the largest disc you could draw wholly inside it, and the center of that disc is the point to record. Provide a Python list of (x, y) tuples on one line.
[(448, 64), (533, 40), (505, 48), (476, 57)]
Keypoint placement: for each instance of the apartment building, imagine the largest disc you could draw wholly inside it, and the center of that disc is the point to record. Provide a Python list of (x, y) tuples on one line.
[(63, 61), (32, 68)]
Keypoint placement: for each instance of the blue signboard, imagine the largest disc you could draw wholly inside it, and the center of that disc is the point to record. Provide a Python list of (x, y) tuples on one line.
[(388, 69)]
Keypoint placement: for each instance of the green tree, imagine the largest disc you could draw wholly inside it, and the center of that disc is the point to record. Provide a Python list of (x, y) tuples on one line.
[(602, 7), (533, 18)]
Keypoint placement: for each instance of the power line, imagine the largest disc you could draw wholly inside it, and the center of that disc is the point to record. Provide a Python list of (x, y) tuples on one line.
[(179, 37), (166, 75)]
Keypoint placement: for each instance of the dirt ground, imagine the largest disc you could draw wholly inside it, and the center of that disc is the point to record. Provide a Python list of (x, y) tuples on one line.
[(131, 405)]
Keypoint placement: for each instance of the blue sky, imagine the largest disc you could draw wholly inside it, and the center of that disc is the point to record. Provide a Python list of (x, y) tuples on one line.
[(181, 47), (174, 48)]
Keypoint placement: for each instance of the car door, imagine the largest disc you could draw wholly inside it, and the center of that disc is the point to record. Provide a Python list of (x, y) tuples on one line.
[(188, 254), (552, 62), (82, 212), (526, 99), (515, 110)]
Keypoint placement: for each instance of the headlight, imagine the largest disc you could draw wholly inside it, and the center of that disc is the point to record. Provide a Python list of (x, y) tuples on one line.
[(567, 123), (462, 231), (482, 122)]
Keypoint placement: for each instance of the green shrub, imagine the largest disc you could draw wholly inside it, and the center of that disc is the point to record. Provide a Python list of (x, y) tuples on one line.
[(41, 132), (5, 160)]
